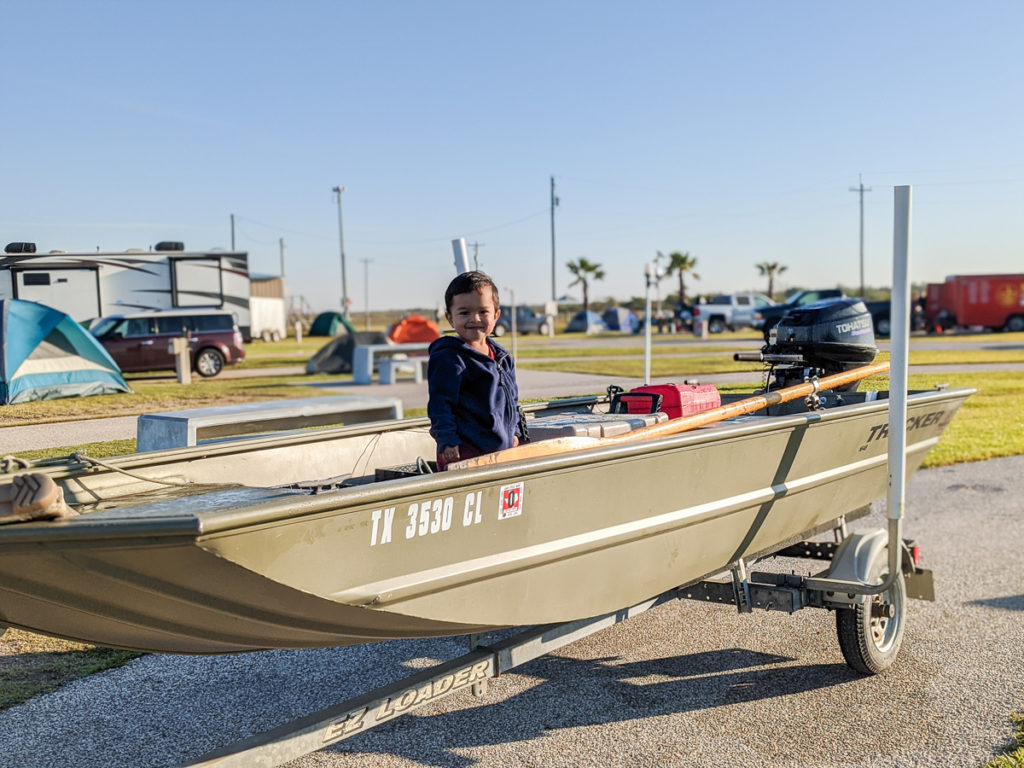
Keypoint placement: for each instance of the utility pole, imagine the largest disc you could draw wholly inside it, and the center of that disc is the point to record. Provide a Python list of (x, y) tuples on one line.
[(232, 233), (341, 241), (280, 242), (476, 255), (860, 188), (366, 289), (554, 204)]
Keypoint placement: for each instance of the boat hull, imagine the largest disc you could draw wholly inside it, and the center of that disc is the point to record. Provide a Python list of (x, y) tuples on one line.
[(531, 542)]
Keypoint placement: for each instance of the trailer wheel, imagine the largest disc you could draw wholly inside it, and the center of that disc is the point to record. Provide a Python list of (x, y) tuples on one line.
[(209, 362), (1015, 324), (870, 634)]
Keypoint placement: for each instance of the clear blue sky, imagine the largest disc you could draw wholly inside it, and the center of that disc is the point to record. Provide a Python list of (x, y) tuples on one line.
[(732, 130)]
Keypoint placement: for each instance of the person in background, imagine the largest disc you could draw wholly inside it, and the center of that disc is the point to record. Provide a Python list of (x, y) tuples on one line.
[(473, 396)]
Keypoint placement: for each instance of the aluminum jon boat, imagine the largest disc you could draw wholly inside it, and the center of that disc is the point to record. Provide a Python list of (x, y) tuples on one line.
[(227, 547)]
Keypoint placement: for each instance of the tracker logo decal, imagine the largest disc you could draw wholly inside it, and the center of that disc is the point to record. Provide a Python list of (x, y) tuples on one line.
[(880, 432)]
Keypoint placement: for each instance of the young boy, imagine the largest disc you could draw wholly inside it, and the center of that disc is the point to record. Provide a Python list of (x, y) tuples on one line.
[(474, 399)]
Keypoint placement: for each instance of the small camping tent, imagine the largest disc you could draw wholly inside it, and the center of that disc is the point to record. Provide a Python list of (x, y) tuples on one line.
[(586, 322), (330, 324), (621, 319), (44, 354), (414, 328), (336, 355)]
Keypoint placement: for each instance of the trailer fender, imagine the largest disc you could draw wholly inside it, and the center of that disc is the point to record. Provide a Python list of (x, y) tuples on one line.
[(853, 560)]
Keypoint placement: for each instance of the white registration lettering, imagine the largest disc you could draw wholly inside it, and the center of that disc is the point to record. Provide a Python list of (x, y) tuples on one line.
[(446, 516), (424, 518), (389, 520), (376, 520), (383, 519), (435, 523), (410, 529)]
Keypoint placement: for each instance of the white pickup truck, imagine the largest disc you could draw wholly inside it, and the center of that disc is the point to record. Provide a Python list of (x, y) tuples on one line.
[(730, 311)]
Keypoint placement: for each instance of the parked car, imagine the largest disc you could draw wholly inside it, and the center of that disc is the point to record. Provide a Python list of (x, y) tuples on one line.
[(141, 341), (527, 321), (730, 310)]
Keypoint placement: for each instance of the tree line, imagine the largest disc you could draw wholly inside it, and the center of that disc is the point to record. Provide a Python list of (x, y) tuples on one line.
[(680, 263)]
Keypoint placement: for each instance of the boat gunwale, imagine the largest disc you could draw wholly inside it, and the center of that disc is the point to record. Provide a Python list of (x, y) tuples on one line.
[(342, 501)]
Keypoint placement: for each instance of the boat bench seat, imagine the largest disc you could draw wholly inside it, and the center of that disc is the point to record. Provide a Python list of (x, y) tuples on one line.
[(390, 367), (181, 429), (590, 424)]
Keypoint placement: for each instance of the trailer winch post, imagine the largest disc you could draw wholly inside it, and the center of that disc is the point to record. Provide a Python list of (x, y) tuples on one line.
[(898, 374)]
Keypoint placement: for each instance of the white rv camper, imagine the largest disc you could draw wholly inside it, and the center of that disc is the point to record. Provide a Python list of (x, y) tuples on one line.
[(89, 285)]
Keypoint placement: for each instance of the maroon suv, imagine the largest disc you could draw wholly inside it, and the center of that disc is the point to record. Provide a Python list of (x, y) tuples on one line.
[(142, 341)]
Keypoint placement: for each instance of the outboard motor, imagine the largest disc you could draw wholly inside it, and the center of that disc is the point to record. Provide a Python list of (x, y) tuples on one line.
[(819, 339)]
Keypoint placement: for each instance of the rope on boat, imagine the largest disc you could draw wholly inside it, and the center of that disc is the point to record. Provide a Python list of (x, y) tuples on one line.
[(10, 463), (80, 456)]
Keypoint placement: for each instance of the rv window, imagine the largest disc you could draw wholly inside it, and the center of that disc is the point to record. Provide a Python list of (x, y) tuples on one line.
[(175, 324), (36, 278)]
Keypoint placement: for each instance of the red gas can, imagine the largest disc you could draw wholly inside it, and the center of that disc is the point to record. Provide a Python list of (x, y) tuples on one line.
[(676, 399)]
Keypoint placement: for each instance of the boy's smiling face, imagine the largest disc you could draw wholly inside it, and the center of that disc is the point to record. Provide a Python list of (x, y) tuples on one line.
[(473, 315)]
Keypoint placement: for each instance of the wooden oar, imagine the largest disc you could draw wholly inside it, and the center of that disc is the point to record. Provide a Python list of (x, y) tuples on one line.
[(682, 424)]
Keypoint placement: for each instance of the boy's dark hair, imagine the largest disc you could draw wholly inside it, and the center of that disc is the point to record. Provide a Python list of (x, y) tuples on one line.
[(468, 282)]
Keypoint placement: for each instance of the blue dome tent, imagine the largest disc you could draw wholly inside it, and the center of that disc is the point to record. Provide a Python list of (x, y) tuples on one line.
[(621, 319), (586, 322), (44, 354)]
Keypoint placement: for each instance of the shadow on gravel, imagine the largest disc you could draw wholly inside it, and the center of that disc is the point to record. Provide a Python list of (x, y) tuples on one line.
[(1008, 603), (599, 691)]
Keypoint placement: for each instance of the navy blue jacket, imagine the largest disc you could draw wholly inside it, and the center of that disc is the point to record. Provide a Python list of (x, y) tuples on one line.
[(473, 399)]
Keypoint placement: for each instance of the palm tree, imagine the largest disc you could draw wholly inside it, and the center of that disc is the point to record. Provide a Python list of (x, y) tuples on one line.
[(771, 269), (681, 263), (585, 271)]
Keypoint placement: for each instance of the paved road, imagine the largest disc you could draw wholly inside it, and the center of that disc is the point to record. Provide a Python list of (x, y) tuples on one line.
[(686, 684)]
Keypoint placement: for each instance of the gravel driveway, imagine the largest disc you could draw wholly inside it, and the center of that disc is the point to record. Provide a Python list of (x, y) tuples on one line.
[(685, 684)]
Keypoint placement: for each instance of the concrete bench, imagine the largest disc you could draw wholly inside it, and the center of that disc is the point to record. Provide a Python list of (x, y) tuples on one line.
[(179, 429), (367, 357), (391, 366)]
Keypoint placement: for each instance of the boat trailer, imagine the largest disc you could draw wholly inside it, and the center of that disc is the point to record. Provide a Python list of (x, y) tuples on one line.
[(869, 627)]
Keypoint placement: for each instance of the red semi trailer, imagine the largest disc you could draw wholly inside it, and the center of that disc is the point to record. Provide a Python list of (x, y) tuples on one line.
[(991, 301)]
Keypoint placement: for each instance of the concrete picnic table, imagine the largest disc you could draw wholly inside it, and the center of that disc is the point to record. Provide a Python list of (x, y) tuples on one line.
[(364, 354)]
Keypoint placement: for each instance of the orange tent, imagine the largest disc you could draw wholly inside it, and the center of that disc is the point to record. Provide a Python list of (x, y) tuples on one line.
[(414, 328)]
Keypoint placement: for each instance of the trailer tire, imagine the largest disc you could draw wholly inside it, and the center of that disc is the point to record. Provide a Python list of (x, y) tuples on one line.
[(1015, 324), (870, 634), (209, 362)]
